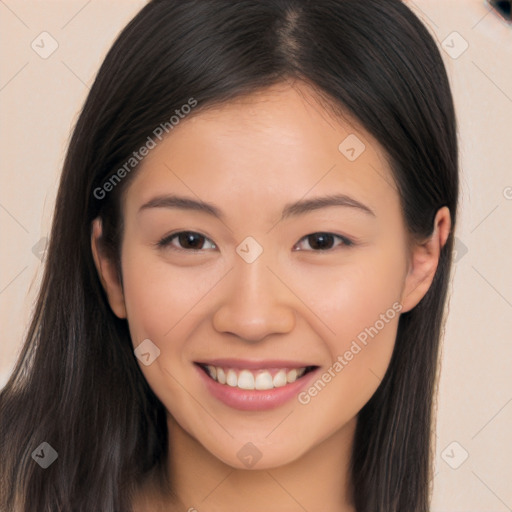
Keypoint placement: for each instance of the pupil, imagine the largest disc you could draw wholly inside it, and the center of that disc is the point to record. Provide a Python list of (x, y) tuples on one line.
[(323, 241), (188, 239)]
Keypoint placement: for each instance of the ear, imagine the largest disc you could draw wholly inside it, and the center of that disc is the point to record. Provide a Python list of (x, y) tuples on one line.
[(424, 261), (107, 272)]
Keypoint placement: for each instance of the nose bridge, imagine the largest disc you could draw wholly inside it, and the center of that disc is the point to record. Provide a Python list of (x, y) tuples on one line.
[(255, 303)]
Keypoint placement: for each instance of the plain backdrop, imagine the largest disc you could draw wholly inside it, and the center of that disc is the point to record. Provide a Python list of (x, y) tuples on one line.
[(50, 52)]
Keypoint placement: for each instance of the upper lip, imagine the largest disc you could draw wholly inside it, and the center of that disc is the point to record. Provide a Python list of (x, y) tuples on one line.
[(251, 364)]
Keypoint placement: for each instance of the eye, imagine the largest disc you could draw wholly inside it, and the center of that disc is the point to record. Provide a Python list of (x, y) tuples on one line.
[(187, 240), (324, 241)]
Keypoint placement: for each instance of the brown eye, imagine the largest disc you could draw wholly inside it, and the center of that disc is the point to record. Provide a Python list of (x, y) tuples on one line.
[(324, 241), (186, 240)]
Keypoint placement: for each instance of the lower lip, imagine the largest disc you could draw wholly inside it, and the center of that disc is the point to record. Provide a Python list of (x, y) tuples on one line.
[(254, 400)]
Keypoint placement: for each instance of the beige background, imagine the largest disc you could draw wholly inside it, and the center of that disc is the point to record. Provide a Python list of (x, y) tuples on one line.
[(39, 103)]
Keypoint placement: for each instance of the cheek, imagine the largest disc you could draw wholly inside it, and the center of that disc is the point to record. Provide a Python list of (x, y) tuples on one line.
[(352, 296), (359, 303), (159, 296), (364, 316), (164, 305)]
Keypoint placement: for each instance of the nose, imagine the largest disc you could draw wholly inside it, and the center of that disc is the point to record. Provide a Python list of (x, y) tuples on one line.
[(255, 304)]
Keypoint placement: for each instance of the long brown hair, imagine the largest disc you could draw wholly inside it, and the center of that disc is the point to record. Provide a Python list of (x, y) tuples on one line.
[(77, 385)]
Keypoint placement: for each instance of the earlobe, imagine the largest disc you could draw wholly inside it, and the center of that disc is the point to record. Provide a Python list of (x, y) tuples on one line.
[(424, 261), (107, 272)]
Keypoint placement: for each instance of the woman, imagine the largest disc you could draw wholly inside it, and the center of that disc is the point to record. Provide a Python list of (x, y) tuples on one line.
[(247, 270)]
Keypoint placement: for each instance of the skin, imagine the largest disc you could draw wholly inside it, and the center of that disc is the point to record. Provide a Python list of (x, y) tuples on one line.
[(251, 157)]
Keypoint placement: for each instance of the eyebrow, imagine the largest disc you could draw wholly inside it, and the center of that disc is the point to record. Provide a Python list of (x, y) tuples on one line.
[(290, 210)]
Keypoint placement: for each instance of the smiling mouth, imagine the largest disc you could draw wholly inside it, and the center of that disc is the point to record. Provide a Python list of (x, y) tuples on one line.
[(262, 379)]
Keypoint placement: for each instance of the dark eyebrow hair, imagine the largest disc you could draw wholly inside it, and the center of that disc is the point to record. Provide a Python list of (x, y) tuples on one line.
[(291, 209)]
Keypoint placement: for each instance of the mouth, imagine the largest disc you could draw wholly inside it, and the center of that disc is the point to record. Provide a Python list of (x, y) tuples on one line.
[(264, 378), (257, 386)]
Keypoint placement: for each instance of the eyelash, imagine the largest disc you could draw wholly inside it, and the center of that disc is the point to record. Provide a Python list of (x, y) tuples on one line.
[(166, 241)]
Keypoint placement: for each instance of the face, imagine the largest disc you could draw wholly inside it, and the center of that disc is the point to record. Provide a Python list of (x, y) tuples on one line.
[(268, 287)]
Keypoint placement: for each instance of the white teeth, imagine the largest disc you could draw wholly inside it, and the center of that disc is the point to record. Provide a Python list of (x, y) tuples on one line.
[(259, 379), (212, 371), (279, 379), (221, 376), (263, 381), (246, 380), (291, 376), (231, 378)]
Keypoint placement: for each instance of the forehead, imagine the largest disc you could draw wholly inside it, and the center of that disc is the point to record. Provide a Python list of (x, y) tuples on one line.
[(276, 145)]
